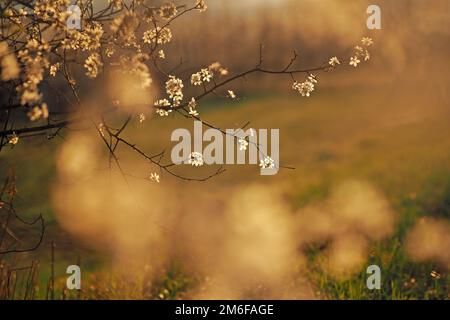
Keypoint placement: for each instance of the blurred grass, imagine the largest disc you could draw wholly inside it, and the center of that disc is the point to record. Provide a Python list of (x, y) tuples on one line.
[(399, 143)]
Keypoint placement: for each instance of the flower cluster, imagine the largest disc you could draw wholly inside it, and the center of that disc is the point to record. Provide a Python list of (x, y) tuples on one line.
[(86, 40), (333, 62), (53, 11), (92, 65), (54, 68), (162, 106), (267, 163), (361, 53), (167, 11), (115, 40), (33, 57), (174, 88), (163, 112), (157, 35), (305, 88), (38, 112), (204, 75)]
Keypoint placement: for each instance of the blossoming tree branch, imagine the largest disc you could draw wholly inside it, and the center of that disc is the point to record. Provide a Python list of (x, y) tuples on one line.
[(125, 39)]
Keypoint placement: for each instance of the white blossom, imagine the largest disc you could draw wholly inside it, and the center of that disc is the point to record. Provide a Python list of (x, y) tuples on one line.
[(367, 41), (354, 61), (163, 113), (174, 88), (196, 79), (267, 163), (243, 144), (155, 177), (196, 159), (334, 61), (193, 108), (305, 88), (14, 139)]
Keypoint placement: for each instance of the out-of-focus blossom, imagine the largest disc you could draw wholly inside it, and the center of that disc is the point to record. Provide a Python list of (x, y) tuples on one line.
[(14, 139), (92, 64), (158, 35), (155, 177), (231, 94), (193, 108), (38, 112), (354, 61)]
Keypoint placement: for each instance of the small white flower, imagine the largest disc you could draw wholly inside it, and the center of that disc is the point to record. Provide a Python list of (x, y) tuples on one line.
[(162, 103), (206, 75), (359, 50), (13, 139), (101, 129), (162, 112), (367, 41), (196, 159), (53, 69), (334, 61), (354, 61), (158, 35), (154, 177), (267, 163), (196, 79), (193, 112), (243, 144), (231, 94), (93, 64)]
